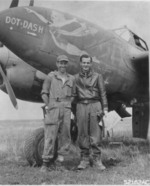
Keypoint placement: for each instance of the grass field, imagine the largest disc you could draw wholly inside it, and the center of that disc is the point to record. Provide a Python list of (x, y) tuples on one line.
[(126, 162)]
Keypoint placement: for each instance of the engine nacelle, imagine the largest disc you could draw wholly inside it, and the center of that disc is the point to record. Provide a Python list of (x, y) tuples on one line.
[(26, 82)]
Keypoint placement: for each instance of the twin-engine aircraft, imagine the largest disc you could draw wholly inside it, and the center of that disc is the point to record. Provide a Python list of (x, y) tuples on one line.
[(38, 35)]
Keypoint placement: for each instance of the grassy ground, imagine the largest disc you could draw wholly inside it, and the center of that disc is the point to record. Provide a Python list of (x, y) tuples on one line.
[(128, 161)]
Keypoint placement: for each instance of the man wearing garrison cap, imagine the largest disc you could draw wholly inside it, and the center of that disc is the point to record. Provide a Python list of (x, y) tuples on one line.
[(57, 94)]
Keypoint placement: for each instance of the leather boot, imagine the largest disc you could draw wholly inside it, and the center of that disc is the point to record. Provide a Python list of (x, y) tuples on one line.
[(44, 167), (84, 163), (60, 158), (97, 162)]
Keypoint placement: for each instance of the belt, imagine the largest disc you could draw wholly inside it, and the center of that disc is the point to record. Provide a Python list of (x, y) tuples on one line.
[(60, 99), (87, 101)]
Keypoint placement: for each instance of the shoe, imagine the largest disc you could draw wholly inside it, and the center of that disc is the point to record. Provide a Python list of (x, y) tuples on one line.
[(99, 165), (83, 164), (44, 169), (60, 158)]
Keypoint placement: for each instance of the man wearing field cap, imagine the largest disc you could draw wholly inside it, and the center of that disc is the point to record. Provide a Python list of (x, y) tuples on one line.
[(57, 94)]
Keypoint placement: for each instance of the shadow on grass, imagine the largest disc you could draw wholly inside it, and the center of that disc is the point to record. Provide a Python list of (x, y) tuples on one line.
[(123, 152)]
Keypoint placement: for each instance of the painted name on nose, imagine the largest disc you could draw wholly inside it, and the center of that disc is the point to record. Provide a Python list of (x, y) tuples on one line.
[(24, 24)]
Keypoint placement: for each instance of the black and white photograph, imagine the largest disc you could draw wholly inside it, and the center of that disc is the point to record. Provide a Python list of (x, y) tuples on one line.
[(74, 92)]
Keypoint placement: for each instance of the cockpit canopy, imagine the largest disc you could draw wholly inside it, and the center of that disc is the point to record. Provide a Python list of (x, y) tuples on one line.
[(131, 38)]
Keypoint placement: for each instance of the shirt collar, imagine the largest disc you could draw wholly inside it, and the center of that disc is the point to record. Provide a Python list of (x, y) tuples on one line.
[(56, 73), (88, 74)]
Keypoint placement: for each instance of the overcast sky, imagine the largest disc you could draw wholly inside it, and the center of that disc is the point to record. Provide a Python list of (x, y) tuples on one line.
[(108, 14)]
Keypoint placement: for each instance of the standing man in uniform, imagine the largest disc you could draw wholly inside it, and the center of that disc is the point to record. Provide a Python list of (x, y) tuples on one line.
[(57, 96), (91, 104)]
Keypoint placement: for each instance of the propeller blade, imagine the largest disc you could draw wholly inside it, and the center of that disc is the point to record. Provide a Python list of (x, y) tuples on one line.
[(9, 88), (31, 3), (14, 3)]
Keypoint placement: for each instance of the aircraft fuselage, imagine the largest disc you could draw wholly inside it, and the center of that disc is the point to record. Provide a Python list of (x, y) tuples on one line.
[(39, 35)]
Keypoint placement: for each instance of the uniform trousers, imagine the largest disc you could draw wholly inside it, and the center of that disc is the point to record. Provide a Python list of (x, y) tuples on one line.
[(89, 132), (56, 128)]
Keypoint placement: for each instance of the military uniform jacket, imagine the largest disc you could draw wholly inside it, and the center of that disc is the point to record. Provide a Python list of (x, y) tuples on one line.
[(57, 91), (90, 87)]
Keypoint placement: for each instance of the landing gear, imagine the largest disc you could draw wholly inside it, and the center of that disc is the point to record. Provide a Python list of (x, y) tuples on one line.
[(34, 144), (33, 148), (140, 120)]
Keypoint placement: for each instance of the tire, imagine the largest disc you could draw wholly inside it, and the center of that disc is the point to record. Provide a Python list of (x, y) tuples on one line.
[(33, 148), (34, 145)]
